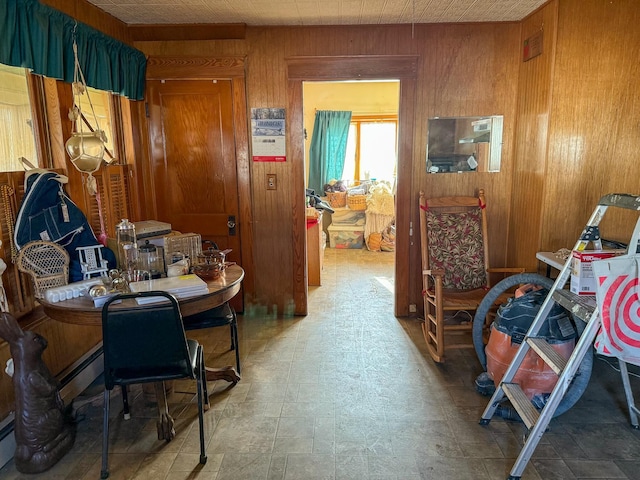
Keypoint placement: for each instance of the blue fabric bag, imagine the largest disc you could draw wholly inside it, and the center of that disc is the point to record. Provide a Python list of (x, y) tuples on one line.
[(48, 213)]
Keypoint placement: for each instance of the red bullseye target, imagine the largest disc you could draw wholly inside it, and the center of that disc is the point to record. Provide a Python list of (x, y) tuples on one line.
[(619, 306)]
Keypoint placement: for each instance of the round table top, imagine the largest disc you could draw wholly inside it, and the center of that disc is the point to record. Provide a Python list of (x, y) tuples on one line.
[(81, 310)]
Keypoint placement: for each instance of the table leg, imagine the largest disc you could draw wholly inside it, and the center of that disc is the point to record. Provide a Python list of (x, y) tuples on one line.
[(228, 374), (165, 421)]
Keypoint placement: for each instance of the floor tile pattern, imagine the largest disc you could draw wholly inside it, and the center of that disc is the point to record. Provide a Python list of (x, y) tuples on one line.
[(347, 392)]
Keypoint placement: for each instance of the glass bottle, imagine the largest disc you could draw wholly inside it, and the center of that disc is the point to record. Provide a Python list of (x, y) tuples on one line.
[(127, 245)]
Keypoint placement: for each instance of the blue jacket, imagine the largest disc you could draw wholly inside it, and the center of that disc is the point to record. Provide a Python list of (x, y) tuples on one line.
[(47, 213)]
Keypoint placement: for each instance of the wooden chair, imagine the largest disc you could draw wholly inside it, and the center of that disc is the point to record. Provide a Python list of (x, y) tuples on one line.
[(455, 264)]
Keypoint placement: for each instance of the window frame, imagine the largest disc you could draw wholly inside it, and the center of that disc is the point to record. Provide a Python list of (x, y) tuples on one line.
[(358, 120)]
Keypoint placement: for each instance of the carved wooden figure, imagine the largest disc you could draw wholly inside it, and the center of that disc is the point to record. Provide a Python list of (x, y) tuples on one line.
[(43, 432)]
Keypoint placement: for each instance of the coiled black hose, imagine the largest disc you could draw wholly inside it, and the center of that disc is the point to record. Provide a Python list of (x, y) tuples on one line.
[(583, 374)]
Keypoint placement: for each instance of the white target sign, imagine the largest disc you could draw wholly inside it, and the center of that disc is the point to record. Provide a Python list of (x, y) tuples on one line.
[(617, 293)]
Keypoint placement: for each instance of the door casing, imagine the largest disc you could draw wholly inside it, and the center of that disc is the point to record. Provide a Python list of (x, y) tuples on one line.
[(360, 67)]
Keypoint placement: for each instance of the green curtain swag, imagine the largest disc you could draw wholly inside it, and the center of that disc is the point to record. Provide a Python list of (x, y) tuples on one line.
[(40, 38)]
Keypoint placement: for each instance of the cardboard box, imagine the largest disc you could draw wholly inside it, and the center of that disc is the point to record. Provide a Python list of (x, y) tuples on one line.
[(582, 281)]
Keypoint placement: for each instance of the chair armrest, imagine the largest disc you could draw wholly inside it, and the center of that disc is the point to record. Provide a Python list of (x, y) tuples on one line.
[(434, 273), (507, 270)]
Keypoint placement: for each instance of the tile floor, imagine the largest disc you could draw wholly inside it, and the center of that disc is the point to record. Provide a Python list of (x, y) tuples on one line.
[(348, 392)]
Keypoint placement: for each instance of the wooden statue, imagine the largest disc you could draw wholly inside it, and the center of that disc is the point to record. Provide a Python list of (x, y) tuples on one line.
[(43, 432)]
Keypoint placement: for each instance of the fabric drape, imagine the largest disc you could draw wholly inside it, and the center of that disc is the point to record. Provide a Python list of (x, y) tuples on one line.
[(40, 38), (328, 147)]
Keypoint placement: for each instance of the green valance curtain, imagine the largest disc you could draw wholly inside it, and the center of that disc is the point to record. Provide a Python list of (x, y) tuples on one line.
[(40, 38)]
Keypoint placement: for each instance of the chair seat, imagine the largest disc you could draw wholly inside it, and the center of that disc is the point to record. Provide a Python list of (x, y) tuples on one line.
[(128, 376), (216, 317)]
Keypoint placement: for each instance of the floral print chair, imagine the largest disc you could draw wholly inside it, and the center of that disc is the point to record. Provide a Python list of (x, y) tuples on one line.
[(455, 268)]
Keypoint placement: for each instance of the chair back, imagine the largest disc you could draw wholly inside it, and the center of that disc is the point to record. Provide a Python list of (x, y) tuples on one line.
[(456, 240), (144, 343)]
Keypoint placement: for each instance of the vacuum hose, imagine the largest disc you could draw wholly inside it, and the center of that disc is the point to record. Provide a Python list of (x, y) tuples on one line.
[(583, 374)]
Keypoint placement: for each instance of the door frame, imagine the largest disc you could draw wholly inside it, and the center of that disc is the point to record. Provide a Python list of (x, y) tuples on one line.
[(357, 67), (215, 68)]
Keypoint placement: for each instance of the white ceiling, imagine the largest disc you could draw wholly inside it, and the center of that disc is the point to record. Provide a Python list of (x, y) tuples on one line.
[(316, 12)]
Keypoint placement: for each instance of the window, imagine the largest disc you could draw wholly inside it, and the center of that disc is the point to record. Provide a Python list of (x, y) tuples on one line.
[(371, 148), (101, 102), (17, 137)]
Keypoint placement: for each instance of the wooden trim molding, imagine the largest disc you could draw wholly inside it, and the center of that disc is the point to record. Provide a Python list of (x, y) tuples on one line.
[(352, 67), (192, 68), (365, 67)]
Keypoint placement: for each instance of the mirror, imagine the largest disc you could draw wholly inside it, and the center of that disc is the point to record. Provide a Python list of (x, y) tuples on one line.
[(464, 144)]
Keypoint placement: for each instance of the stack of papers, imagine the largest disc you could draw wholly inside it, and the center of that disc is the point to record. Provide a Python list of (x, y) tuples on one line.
[(184, 286)]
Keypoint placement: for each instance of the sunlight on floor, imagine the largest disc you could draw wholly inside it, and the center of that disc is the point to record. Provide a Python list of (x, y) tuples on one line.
[(385, 282)]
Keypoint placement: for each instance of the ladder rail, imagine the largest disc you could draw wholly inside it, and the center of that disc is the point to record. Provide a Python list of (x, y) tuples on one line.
[(542, 314), (587, 322), (558, 393)]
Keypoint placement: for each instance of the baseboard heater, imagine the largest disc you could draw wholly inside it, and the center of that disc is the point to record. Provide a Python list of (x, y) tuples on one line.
[(74, 380)]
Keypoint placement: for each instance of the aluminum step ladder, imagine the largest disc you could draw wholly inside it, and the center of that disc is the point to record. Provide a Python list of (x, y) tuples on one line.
[(583, 309)]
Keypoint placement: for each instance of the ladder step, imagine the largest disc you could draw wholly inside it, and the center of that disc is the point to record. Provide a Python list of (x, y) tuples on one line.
[(551, 357), (622, 200), (521, 403), (581, 306)]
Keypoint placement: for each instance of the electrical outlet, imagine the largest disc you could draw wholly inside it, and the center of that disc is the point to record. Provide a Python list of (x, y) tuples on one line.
[(412, 308), (272, 182)]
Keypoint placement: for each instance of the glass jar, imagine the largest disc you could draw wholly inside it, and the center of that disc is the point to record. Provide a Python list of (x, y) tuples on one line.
[(149, 259), (127, 245)]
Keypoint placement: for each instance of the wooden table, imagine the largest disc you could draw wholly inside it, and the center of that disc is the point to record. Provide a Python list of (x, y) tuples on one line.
[(81, 311)]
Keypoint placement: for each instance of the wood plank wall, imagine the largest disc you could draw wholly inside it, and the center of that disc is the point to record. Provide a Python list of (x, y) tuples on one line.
[(577, 125), (570, 118), (468, 69), (530, 149), (594, 123), (85, 12)]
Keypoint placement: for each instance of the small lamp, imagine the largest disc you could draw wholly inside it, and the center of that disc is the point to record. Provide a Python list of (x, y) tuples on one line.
[(85, 148)]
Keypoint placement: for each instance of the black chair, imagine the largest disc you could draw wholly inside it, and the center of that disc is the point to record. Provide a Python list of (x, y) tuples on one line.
[(217, 317), (145, 344)]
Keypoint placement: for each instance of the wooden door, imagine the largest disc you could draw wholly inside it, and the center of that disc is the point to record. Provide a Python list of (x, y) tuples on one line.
[(193, 159)]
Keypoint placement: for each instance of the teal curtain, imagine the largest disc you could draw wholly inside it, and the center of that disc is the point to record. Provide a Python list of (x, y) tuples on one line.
[(40, 38), (328, 147)]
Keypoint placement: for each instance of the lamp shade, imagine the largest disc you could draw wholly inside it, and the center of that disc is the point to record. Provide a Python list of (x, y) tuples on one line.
[(86, 150)]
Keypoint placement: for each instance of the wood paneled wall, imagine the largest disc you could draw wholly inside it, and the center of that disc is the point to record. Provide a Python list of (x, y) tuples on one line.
[(570, 120), (85, 12), (463, 70), (531, 134), (578, 127)]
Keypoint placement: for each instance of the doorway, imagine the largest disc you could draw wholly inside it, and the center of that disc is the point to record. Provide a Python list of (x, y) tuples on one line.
[(198, 161), (355, 238), (359, 67)]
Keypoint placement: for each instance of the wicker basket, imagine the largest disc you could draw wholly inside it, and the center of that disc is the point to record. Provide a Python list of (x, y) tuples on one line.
[(337, 199), (357, 202)]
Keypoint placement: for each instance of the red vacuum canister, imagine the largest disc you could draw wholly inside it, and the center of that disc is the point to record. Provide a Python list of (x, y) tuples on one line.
[(509, 329)]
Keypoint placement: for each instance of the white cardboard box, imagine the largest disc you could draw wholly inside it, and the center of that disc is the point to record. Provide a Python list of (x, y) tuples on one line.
[(582, 281)]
